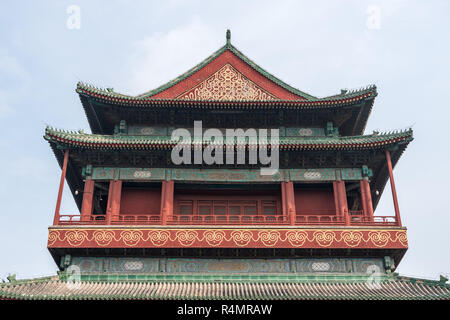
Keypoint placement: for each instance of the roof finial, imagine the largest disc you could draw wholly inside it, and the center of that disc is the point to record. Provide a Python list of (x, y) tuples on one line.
[(228, 37)]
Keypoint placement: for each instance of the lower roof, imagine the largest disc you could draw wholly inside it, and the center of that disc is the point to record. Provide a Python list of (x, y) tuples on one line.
[(119, 142), (320, 288)]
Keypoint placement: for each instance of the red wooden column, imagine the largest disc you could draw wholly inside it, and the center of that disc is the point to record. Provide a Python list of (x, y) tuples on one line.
[(167, 201), (362, 187), (394, 192), (288, 201), (283, 200), (343, 202), (61, 187), (115, 205), (163, 201), (114, 195), (365, 189), (337, 204), (340, 201), (86, 205)]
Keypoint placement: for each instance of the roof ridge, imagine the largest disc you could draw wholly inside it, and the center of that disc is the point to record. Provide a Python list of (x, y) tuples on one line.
[(423, 281), (31, 280), (346, 93), (184, 75), (268, 75)]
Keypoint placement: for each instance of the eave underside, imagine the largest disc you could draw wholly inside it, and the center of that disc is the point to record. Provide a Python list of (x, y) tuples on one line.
[(289, 158), (351, 118)]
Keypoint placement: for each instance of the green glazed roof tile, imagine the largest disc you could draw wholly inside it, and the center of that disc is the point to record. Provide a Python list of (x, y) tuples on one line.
[(245, 287), (95, 141), (304, 100)]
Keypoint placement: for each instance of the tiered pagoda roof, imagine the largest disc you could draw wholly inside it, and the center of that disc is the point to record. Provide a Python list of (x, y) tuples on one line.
[(230, 90)]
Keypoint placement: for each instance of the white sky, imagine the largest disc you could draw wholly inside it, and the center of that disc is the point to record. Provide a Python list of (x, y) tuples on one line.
[(318, 47)]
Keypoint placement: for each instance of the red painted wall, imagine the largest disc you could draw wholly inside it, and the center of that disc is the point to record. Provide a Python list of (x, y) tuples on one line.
[(140, 201), (310, 201)]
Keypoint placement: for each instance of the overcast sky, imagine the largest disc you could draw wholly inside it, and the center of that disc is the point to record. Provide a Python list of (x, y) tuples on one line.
[(133, 46)]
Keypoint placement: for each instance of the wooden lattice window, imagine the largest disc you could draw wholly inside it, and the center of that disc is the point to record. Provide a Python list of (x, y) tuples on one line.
[(220, 208), (185, 207), (234, 210), (204, 207), (269, 207), (250, 208)]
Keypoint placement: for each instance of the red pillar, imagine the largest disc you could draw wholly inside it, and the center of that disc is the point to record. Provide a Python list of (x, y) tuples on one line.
[(163, 202), (61, 187), (394, 192), (169, 198), (343, 202), (336, 198), (114, 195), (86, 206), (167, 201), (283, 199), (290, 202), (362, 187), (365, 189), (115, 205)]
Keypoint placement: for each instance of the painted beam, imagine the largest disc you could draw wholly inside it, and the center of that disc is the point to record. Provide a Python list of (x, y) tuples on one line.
[(236, 237), (135, 130), (226, 175)]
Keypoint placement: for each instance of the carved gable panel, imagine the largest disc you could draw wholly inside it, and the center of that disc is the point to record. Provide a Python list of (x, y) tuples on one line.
[(227, 84)]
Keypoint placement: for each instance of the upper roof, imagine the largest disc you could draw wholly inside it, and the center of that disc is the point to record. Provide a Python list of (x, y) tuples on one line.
[(225, 75), (226, 79)]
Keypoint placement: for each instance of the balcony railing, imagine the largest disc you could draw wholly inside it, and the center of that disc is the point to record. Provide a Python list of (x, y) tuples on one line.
[(355, 219), (139, 219), (370, 221), (75, 219), (319, 220)]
